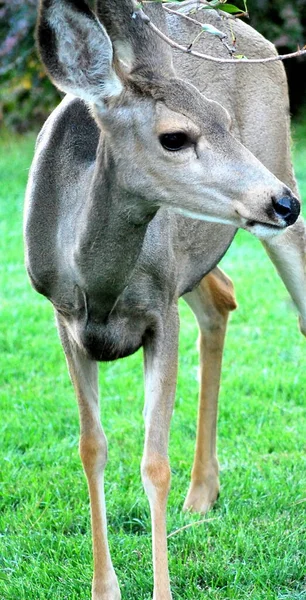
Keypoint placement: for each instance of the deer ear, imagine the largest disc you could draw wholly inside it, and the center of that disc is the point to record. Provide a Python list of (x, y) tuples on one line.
[(76, 50), (139, 48)]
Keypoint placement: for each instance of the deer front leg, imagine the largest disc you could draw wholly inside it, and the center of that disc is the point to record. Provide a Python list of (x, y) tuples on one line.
[(211, 302), (160, 354), (288, 253), (93, 452)]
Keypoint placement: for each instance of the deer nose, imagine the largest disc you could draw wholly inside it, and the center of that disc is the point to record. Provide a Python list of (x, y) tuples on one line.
[(287, 207)]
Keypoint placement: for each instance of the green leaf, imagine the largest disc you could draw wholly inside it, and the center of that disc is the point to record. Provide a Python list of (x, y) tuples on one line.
[(211, 29), (230, 8), (213, 5)]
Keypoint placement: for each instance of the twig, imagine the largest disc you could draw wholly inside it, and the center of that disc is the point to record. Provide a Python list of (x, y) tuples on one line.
[(231, 50), (198, 24), (181, 14), (230, 61), (191, 525)]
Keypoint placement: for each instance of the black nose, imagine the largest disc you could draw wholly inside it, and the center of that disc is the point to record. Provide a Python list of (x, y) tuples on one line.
[(287, 207)]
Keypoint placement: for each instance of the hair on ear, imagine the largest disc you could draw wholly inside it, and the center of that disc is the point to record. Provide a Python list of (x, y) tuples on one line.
[(76, 50)]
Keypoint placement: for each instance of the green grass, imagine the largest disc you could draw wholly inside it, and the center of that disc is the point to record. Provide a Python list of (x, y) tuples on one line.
[(255, 546)]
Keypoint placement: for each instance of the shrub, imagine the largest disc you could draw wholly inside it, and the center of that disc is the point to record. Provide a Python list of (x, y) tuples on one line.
[(27, 95), (281, 21)]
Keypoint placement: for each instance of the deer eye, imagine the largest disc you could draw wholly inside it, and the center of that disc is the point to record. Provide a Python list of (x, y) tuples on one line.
[(174, 141)]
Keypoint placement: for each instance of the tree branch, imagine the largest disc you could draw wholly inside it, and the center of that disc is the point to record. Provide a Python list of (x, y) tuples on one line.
[(221, 36), (231, 61)]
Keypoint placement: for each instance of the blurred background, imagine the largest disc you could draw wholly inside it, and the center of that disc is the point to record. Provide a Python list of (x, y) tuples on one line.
[(27, 96)]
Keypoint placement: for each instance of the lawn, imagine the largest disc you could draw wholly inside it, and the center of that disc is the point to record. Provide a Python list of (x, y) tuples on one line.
[(253, 546)]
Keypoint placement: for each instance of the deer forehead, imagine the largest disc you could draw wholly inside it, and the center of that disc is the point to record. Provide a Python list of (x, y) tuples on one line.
[(184, 99), (169, 121), (133, 115)]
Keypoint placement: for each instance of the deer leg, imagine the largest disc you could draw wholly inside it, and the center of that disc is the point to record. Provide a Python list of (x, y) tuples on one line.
[(160, 354), (288, 253), (93, 452), (211, 302)]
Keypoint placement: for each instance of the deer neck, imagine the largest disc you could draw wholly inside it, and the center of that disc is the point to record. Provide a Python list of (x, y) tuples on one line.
[(113, 227)]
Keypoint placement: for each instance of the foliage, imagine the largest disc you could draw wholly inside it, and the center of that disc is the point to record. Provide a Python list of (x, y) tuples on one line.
[(225, 6), (281, 21), (27, 95)]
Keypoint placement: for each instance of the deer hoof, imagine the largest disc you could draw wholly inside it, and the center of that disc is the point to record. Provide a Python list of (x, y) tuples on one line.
[(201, 497)]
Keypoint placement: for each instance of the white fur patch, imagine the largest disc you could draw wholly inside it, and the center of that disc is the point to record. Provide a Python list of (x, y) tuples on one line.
[(264, 232), (202, 217), (261, 231), (125, 53)]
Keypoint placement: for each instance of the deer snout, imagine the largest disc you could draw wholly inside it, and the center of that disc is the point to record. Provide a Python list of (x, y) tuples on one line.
[(286, 207)]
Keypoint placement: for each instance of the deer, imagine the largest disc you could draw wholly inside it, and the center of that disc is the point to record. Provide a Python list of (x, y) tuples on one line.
[(141, 177)]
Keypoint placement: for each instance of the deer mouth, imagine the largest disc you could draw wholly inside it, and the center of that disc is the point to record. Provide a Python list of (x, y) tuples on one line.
[(263, 230), (283, 212), (266, 225)]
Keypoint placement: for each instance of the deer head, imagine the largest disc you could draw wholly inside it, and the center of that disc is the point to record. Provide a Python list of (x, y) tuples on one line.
[(170, 145)]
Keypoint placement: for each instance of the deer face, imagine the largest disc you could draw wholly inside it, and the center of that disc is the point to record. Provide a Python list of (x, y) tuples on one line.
[(189, 162)]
